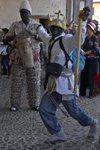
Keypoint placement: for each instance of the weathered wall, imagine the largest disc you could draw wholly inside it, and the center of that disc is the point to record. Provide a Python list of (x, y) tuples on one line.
[(96, 15), (73, 7), (9, 9)]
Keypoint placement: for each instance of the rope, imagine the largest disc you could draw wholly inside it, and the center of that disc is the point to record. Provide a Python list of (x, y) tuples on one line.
[(55, 103)]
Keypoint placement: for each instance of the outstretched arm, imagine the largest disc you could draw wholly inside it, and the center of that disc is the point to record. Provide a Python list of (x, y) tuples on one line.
[(69, 26), (44, 36), (71, 42)]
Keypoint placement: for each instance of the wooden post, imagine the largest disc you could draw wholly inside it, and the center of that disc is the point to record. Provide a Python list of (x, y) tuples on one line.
[(69, 10), (76, 7)]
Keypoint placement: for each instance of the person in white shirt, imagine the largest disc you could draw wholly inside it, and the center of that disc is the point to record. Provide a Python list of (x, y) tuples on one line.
[(63, 87)]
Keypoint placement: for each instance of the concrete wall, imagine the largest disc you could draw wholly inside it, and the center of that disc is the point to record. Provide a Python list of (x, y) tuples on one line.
[(96, 8), (9, 9)]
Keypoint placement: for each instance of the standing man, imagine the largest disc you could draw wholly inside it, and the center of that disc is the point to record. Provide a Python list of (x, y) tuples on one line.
[(61, 88), (25, 29)]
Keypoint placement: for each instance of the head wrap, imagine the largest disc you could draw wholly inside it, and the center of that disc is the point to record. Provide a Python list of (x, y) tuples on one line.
[(26, 5)]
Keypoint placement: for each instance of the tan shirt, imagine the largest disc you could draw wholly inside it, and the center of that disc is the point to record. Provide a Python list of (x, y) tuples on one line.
[(21, 31)]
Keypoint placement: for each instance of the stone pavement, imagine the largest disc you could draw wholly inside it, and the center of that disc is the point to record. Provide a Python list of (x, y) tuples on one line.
[(24, 129)]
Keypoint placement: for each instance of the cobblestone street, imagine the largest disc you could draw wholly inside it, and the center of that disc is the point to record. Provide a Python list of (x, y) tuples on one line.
[(24, 129)]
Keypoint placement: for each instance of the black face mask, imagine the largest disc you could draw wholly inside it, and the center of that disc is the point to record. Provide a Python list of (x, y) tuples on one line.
[(25, 14), (56, 31)]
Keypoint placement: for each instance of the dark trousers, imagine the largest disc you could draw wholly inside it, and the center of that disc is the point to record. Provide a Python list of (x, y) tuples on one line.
[(87, 76), (4, 64)]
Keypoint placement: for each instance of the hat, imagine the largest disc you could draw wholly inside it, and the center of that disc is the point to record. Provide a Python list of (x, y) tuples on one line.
[(26, 5), (75, 25), (92, 26), (57, 22)]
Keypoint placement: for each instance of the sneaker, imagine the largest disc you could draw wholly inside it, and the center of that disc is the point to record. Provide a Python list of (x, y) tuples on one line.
[(36, 108), (93, 129), (90, 96), (82, 94), (59, 136), (8, 76), (13, 108)]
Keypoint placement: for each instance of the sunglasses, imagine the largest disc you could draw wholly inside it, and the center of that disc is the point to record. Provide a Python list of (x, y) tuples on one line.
[(74, 26)]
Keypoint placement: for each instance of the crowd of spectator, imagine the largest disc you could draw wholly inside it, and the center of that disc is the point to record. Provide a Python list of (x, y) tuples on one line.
[(91, 51), (85, 77)]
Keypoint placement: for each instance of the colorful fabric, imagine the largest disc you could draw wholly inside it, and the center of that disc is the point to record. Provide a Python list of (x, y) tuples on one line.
[(97, 79), (36, 57)]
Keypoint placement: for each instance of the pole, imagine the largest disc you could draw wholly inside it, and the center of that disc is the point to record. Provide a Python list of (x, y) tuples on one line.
[(78, 53)]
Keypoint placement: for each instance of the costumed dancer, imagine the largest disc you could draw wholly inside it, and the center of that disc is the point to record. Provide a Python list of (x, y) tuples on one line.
[(62, 87), (27, 59)]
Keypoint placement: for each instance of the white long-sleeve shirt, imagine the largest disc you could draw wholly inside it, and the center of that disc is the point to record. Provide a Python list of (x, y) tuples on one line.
[(58, 56)]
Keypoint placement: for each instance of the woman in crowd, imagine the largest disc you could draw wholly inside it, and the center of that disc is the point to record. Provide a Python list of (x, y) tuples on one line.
[(91, 47)]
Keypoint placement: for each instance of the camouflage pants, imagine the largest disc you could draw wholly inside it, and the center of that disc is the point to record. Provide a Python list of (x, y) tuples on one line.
[(33, 84)]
